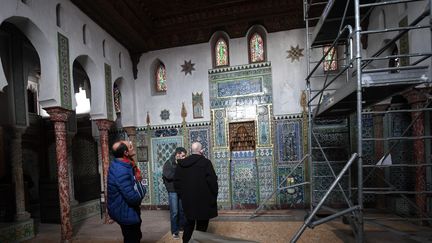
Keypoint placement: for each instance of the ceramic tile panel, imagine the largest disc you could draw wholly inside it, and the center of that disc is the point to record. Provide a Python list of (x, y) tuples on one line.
[(244, 178), (162, 149), (202, 135)]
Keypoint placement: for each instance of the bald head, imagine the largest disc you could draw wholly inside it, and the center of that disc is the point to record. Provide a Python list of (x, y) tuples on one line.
[(196, 148), (123, 149)]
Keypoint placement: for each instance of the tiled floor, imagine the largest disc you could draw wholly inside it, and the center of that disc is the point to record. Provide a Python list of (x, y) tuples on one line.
[(270, 227)]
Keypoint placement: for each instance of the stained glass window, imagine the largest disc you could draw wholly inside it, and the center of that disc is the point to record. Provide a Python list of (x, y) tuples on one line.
[(117, 97), (330, 61), (161, 79), (221, 52), (256, 48)]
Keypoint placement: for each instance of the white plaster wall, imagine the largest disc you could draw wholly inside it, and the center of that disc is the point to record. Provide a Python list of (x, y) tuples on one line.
[(419, 40), (288, 78), (42, 13)]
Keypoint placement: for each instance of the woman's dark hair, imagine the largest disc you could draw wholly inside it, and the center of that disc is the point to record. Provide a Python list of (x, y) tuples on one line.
[(119, 152)]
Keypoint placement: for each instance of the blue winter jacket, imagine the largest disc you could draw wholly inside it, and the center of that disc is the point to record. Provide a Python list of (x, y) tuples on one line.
[(123, 198)]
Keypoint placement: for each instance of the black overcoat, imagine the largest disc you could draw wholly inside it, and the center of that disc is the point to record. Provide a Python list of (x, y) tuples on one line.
[(196, 183)]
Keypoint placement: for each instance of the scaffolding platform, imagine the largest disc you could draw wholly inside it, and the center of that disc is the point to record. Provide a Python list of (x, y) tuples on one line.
[(327, 28), (376, 87)]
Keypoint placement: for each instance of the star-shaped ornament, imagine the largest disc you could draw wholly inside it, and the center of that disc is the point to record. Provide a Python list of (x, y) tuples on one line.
[(188, 67), (295, 53)]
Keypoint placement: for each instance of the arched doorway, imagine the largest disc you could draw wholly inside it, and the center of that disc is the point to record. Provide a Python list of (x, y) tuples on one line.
[(86, 177), (22, 133)]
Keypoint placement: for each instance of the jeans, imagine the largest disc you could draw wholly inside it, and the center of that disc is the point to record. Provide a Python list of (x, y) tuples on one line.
[(177, 217), (201, 225)]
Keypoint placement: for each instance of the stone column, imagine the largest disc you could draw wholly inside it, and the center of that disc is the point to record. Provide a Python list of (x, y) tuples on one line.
[(17, 173), (60, 116), (417, 99), (74, 202), (104, 126), (378, 121), (131, 132)]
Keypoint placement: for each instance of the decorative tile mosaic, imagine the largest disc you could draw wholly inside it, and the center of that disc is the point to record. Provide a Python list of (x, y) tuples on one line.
[(17, 231), (108, 92), (292, 197), (244, 178), (220, 128), (165, 115), (162, 149), (169, 132), (266, 178), (64, 69), (288, 141), (144, 167), (85, 210), (202, 135), (264, 125), (241, 85), (221, 160), (402, 178), (333, 136)]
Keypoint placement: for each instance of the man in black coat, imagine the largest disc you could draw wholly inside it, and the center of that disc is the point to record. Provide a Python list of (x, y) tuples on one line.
[(196, 183)]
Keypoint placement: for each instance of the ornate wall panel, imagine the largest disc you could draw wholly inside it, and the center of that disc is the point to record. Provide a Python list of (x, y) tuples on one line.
[(264, 125), (162, 149), (288, 141), (292, 197), (219, 118), (109, 92), (64, 71), (242, 94), (202, 135), (244, 179), (333, 136), (266, 178), (221, 165)]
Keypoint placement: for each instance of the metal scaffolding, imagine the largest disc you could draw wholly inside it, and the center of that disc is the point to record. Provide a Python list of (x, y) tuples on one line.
[(356, 86)]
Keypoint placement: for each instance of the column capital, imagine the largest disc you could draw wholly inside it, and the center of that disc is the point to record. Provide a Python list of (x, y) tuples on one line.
[(131, 131), (416, 96), (104, 124), (58, 114)]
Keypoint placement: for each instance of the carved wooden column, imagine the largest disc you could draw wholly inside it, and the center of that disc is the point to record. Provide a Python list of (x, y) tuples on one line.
[(417, 99), (104, 126), (60, 116), (378, 122), (17, 173)]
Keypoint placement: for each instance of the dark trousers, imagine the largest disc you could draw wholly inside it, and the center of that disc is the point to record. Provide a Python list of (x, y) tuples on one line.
[(131, 233), (189, 227)]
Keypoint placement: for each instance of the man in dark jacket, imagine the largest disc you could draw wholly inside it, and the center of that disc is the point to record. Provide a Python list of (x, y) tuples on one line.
[(176, 211), (196, 183), (124, 192)]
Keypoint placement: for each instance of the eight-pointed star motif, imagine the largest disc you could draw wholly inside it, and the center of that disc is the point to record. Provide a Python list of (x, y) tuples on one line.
[(188, 67), (295, 53)]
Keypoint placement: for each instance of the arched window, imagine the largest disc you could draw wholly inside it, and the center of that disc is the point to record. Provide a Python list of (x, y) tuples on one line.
[(330, 61), (103, 48), (117, 98), (120, 59), (161, 80), (256, 48), (221, 52), (84, 34), (58, 15)]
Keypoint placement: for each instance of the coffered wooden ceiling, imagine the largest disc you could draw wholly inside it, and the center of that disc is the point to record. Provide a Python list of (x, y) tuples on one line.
[(146, 25)]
